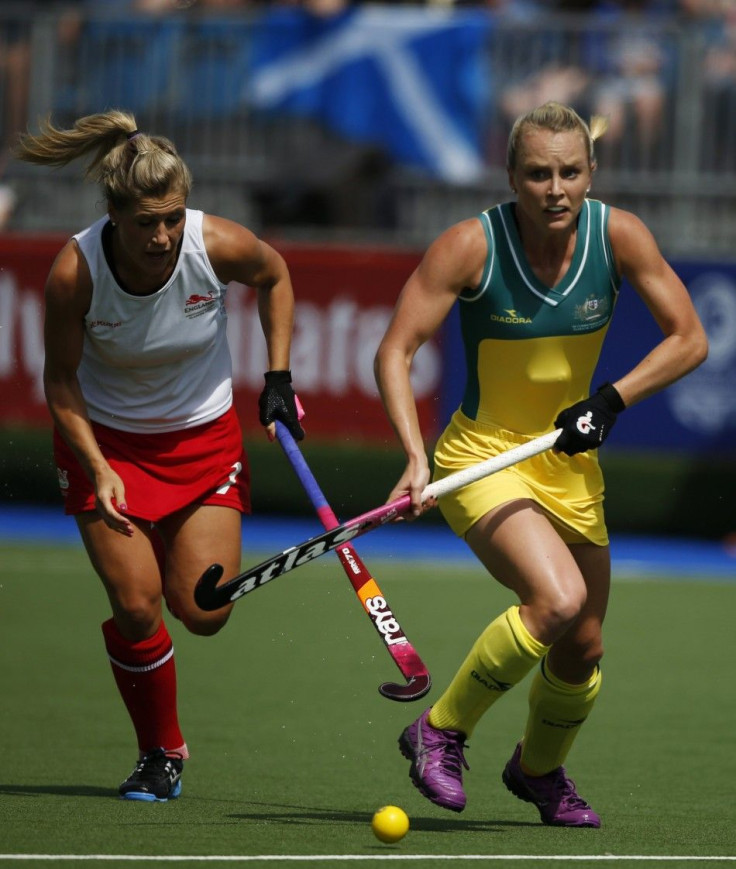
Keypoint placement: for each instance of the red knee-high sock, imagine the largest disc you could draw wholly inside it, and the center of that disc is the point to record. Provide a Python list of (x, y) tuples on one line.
[(145, 674)]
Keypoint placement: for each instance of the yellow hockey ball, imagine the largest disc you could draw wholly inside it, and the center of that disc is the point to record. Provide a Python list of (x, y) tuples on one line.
[(390, 824)]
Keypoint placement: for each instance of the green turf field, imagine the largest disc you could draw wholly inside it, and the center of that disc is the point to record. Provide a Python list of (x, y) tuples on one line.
[(293, 748)]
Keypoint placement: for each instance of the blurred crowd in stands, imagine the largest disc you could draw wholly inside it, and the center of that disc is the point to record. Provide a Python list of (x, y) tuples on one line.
[(627, 81)]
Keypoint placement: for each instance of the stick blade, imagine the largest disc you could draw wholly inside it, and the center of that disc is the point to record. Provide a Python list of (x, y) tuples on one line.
[(206, 594), (414, 689)]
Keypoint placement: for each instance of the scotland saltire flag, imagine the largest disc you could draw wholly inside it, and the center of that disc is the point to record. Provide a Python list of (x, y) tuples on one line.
[(411, 80)]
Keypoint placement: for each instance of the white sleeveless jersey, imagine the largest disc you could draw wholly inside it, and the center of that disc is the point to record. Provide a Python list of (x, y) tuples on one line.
[(161, 362)]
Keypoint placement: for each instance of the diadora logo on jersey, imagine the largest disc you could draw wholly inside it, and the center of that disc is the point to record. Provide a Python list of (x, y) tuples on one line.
[(510, 316), (63, 479), (197, 304)]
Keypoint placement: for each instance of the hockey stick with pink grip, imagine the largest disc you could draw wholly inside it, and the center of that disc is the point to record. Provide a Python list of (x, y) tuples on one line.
[(365, 586), (211, 596)]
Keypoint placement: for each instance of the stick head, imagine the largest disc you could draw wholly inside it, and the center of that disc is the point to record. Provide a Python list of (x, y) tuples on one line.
[(414, 689), (205, 591)]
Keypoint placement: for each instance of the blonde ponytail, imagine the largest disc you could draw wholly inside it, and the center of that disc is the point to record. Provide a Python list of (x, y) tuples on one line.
[(127, 163)]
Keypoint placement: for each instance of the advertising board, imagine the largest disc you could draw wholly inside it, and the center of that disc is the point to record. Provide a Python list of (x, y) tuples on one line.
[(345, 297), (344, 302)]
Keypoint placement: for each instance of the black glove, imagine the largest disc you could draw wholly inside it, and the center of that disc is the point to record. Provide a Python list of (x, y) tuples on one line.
[(278, 401), (586, 425)]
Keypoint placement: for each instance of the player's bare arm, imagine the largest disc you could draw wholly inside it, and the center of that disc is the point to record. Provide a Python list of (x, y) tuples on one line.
[(67, 298), (238, 255), (452, 262), (685, 344)]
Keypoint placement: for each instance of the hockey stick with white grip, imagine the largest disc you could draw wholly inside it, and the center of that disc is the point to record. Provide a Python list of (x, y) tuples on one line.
[(211, 596)]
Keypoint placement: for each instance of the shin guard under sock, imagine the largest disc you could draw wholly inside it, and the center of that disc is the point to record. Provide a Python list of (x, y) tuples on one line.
[(500, 658), (557, 709), (145, 674)]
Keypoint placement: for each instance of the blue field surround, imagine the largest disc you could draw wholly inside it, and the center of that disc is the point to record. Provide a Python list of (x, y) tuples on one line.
[(674, 558)]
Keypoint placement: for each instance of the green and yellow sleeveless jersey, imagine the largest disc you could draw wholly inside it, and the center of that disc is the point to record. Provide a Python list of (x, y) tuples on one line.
[(531, 349)]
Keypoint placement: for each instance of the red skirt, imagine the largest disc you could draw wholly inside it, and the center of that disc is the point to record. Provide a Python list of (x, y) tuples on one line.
[(163, 473)]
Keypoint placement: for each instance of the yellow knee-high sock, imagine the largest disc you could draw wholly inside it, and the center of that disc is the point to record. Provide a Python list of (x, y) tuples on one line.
[(503, 654), (556, 711)]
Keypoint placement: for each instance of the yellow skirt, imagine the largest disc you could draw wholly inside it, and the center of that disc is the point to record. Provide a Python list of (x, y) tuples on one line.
[(568, 488)]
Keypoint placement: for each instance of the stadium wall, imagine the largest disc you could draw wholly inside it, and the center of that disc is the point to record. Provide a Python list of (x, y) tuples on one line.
[(670, 462)]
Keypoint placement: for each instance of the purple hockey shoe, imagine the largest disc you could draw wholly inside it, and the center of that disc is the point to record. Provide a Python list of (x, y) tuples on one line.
[(436, 762), (553, 794)]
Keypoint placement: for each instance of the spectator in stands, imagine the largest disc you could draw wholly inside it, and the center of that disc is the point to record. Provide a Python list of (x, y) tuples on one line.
[(629, 66), (563, 82), (538, 65), (15, 73), (139, 385), (15, 59), (536, 280), (615, 72), (716, 22)]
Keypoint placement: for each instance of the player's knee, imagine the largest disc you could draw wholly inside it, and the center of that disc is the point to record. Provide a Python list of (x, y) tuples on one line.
[(136, 616), (564, 605)]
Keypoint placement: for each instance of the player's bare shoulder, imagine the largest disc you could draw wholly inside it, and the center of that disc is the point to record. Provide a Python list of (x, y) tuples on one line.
[(69, 283), (632, 242), (463, 239), (626, 229), (228, 245), (237, 254), (459, 254)]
